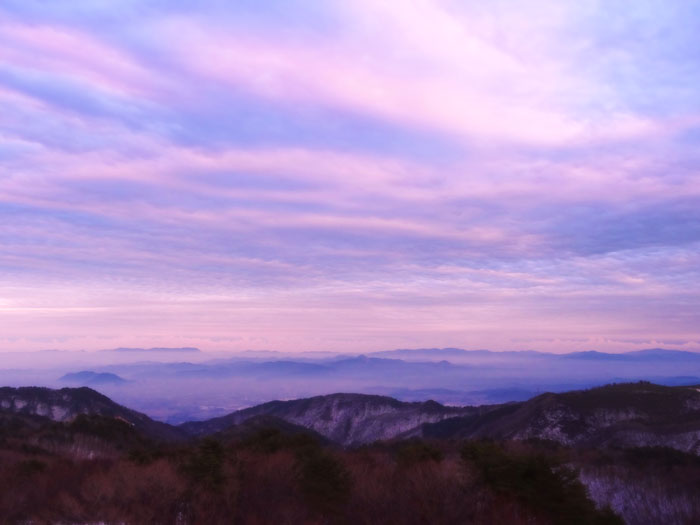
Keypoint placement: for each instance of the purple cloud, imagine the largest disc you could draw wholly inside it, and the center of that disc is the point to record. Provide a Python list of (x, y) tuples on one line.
[(349, 176)]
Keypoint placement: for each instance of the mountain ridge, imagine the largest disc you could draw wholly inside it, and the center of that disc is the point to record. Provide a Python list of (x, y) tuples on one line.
[(625, 414), (66, 404), (349, 419), (638, 414)]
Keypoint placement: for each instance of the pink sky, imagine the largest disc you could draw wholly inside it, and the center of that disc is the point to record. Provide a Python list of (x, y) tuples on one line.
[(349, 176)]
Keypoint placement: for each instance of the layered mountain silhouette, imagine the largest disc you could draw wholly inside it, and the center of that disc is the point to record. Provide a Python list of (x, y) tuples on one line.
[(190, 386), (620, 415)]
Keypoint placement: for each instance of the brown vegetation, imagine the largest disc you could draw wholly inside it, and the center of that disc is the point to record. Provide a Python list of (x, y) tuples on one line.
[(270, 477)]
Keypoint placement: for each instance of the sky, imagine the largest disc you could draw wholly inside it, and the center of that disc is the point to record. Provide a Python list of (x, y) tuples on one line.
[(350, 176)]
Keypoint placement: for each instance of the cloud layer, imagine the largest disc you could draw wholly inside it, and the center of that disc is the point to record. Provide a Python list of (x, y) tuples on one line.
[(349, 176)]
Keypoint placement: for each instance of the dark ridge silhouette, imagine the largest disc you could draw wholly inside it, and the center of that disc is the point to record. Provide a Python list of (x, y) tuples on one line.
[(66, 404)]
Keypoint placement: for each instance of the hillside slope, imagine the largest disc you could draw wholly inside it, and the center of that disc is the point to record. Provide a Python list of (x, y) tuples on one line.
[(620, 415), (348, 419), (67, 404), (624, 415)]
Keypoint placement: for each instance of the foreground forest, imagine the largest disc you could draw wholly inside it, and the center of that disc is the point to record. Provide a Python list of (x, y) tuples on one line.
[(73, 456), (271, 477)]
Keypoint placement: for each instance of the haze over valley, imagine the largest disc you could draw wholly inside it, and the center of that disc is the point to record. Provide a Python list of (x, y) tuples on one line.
[(176, 385)]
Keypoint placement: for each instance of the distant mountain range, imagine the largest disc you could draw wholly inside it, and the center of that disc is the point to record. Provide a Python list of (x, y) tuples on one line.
[(621, 415), (190, 385), (448, 354), (88, 378), (452, 353), (652, 354), (186, 350)]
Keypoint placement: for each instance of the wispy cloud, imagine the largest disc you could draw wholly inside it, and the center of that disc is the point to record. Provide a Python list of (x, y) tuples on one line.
[(352, 175)]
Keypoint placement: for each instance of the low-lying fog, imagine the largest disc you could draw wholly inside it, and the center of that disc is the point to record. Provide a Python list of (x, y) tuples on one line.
[(176, 385)]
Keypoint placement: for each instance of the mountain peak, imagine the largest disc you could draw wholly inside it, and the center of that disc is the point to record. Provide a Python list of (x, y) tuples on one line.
[(87, 377), (68, 403)]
